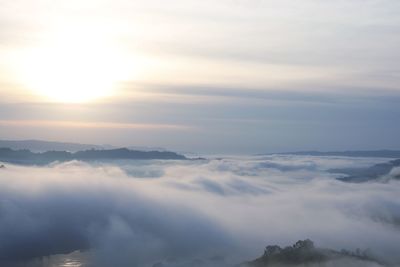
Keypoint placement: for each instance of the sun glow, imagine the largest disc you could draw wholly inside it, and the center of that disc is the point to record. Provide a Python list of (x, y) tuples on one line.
[(75, 66)]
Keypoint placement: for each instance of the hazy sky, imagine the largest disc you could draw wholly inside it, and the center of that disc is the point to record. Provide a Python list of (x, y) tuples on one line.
[(209, 76)]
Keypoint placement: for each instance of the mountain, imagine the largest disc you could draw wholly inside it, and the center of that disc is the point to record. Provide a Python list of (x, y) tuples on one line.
[(377, 171), (42, 146), (304, 253), (124, 153), (28, 157), (350, 153)]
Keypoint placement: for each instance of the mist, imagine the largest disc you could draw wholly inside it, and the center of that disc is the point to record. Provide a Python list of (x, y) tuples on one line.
[(217, 212)]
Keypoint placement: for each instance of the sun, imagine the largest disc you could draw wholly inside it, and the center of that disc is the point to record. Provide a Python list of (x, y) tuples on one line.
[(74, 66)]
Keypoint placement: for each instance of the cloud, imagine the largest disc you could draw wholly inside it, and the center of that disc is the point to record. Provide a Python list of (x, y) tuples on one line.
[(213, 212), (75, 207), (96, 125)]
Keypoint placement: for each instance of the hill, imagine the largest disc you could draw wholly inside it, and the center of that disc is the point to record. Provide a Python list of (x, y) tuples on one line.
[(377, 171), (350, 153), (304, 253), (28, 157), (42, 146)]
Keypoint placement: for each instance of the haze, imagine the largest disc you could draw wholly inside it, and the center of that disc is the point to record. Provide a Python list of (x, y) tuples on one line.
[(202, 76), (208, 133)]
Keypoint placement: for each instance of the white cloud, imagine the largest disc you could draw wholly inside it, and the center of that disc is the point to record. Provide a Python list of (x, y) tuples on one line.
[(140, 213)]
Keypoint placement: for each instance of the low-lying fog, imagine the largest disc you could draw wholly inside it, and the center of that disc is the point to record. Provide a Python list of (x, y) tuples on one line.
[(216, 212)]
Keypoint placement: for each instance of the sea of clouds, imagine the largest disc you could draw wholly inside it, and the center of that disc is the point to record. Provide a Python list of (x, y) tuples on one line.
[(215, 212)]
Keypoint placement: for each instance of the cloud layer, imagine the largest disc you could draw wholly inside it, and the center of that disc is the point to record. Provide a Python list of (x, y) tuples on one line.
[(216, 212)]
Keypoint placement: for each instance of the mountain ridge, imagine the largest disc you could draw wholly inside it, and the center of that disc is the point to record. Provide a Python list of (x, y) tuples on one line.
[(25, 156), (35, 145), (381, 153), (304, 253)]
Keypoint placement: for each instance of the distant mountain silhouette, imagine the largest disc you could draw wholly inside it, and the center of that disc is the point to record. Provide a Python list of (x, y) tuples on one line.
[(350, 153), (304, 253), (377, 171), (42, 146), (28, 157)]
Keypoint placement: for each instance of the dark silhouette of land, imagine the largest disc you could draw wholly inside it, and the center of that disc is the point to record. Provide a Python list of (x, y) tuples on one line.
[(304, 253), (42, 146), (358, 175), (28, 157), (349, 153)]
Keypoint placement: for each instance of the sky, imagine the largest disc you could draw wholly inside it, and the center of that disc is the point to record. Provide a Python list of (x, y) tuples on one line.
[(202, 76)]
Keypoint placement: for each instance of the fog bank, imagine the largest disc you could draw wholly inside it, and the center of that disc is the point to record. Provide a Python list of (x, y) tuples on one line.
[(213, 212)]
